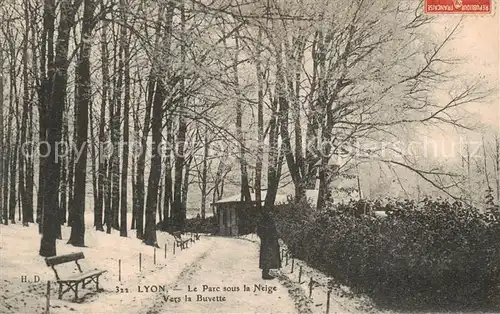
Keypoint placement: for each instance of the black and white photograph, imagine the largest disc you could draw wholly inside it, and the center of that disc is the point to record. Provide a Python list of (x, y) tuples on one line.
[(249, 156)]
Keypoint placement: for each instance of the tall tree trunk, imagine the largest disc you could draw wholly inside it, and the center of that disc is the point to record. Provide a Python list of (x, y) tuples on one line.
[(167, 199), (312, 130), (295, 56), (134, 188), (6, 167), (177, 213), (159, 202), (58, 78), (108, 215), (141, 161), (137, 139), (3, 210), (245, 186), (156, 131), (260, 124), (71, 164), (45, 90), (204, 170), (185, 185), (111, 214), (326, 173), (116, 133), (155, 172), (64, 170), (101, 182), (30, 176), (273, 157), (93, 158), (77, 237), (29, 168), (126, 112), (284, 104), (24, 121), (43, 149), (13, 151)]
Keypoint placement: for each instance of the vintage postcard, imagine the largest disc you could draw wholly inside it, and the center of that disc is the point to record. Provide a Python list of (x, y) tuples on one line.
[(249, 156)]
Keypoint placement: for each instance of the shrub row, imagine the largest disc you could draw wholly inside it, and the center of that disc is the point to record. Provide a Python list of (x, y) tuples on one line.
[(430, 256), (197, 224)]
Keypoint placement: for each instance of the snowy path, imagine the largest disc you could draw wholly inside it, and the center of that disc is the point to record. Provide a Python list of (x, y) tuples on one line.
[(216, 262), (228, 263)]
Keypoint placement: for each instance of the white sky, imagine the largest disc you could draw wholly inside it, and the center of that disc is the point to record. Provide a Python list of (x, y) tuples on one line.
[(480, 47), (477, 45)]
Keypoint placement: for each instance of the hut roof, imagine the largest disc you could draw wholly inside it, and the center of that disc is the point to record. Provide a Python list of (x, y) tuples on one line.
[(312, 195)]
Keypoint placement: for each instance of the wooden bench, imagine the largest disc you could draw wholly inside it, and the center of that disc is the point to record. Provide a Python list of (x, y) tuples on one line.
[(194, 236), (183, 244), (73, 281)]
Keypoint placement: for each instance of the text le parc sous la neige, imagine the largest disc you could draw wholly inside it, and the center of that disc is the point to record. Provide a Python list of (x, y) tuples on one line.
[(201, 293)]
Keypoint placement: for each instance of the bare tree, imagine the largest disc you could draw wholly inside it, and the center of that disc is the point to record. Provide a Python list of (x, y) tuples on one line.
[(2, 145), (54, 87), (83, 107), (125, 65)]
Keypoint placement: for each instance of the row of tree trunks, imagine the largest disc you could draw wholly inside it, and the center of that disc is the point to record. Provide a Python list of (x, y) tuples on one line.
[(139, 184)]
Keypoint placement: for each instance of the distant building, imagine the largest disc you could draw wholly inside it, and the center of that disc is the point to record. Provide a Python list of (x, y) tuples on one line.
[(236, 217)]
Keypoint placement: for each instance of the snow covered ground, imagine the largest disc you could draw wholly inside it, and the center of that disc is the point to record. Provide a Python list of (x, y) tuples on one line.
[(342, 300), (215, 275)]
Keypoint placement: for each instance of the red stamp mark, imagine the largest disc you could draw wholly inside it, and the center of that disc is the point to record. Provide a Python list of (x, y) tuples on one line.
[(458, 6)]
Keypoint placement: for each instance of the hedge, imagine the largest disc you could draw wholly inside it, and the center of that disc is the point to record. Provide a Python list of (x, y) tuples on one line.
[(197, 224), (435, 255)]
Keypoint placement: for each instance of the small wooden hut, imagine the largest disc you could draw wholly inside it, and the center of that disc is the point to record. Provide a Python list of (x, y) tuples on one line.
[(236, 217)]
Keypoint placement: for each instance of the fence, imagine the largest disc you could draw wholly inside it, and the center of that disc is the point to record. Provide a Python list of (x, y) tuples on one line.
[(119, 265), (324, 296)]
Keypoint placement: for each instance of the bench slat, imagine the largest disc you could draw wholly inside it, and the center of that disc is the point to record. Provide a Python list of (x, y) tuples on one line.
[(80, 277), (61, 259)]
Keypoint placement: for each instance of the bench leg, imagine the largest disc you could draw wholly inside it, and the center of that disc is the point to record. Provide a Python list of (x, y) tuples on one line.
[(83, 284), (60, 291), (76, 291), (97, 283)]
